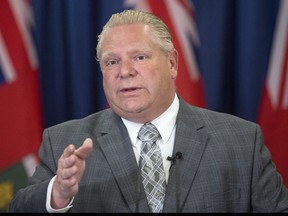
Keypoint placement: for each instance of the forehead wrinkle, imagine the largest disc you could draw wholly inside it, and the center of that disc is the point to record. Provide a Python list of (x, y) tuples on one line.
[(132, 52)]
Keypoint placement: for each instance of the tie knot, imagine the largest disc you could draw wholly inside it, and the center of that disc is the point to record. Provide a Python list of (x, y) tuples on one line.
[(148, 132)]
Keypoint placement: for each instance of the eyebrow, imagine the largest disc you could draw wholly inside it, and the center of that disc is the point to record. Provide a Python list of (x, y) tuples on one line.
[(131, 52)]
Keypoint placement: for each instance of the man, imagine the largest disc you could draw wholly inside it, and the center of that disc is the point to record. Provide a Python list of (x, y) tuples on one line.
[(212, 162)]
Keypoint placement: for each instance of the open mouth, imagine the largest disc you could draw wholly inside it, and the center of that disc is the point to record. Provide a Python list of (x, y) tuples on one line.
[(129, 89)]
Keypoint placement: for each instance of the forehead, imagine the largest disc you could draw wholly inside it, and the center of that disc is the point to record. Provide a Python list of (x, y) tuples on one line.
[(126, 37), (127, 31)]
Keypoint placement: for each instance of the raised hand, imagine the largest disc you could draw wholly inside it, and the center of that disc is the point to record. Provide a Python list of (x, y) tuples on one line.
[(71, 166)]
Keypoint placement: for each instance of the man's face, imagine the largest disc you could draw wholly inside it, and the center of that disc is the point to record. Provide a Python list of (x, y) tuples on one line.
[(138, 77)]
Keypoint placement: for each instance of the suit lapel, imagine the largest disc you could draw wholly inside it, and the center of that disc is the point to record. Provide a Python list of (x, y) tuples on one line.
[(191, 142), (117, 148)]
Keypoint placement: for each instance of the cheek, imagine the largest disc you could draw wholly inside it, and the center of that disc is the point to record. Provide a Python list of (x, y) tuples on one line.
[(108, 83), (108, 78)]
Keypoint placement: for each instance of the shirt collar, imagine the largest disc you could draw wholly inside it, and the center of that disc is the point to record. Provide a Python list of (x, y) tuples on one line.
[(164, 123)]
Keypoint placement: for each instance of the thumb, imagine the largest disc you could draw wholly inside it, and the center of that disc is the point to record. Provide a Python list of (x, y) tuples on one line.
[(84, 150)]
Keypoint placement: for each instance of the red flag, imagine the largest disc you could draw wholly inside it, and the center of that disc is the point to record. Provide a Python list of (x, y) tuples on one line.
[(273, 115), (178, 15), (20, 111)]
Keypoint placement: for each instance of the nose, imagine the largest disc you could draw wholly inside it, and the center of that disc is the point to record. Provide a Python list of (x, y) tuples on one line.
[(127, 69)]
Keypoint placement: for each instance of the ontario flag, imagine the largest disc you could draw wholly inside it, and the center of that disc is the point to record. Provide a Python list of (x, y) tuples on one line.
[(273, 115), (20, 110), (178, 15)]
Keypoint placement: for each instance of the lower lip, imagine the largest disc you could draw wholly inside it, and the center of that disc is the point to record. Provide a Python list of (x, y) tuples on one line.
[(135, 91)]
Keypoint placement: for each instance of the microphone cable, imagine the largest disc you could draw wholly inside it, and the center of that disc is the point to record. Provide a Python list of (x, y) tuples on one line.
[(175, 160)]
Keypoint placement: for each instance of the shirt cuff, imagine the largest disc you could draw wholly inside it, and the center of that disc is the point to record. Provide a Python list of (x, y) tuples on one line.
[(48, 200)]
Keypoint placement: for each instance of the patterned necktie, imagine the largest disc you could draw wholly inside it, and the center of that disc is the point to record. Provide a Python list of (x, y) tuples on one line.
[(151, 165)]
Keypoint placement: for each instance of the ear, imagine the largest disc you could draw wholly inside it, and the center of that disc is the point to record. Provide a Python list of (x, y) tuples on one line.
[(173, 61)]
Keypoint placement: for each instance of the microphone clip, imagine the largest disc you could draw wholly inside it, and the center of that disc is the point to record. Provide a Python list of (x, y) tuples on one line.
[(177, 156)]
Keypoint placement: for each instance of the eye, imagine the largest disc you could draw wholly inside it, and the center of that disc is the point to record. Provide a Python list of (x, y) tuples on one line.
[(112, 62), (140, 57)]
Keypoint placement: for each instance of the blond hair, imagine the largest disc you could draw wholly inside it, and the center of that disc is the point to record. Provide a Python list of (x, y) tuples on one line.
[(160, 33)]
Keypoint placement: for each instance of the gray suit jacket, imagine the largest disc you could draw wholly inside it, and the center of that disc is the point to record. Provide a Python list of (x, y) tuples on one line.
[(225, 167)]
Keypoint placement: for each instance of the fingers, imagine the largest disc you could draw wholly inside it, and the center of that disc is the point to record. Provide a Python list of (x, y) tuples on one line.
[(67, 173), (71, 166), (71, 157), (68, 151), (84, 150)]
